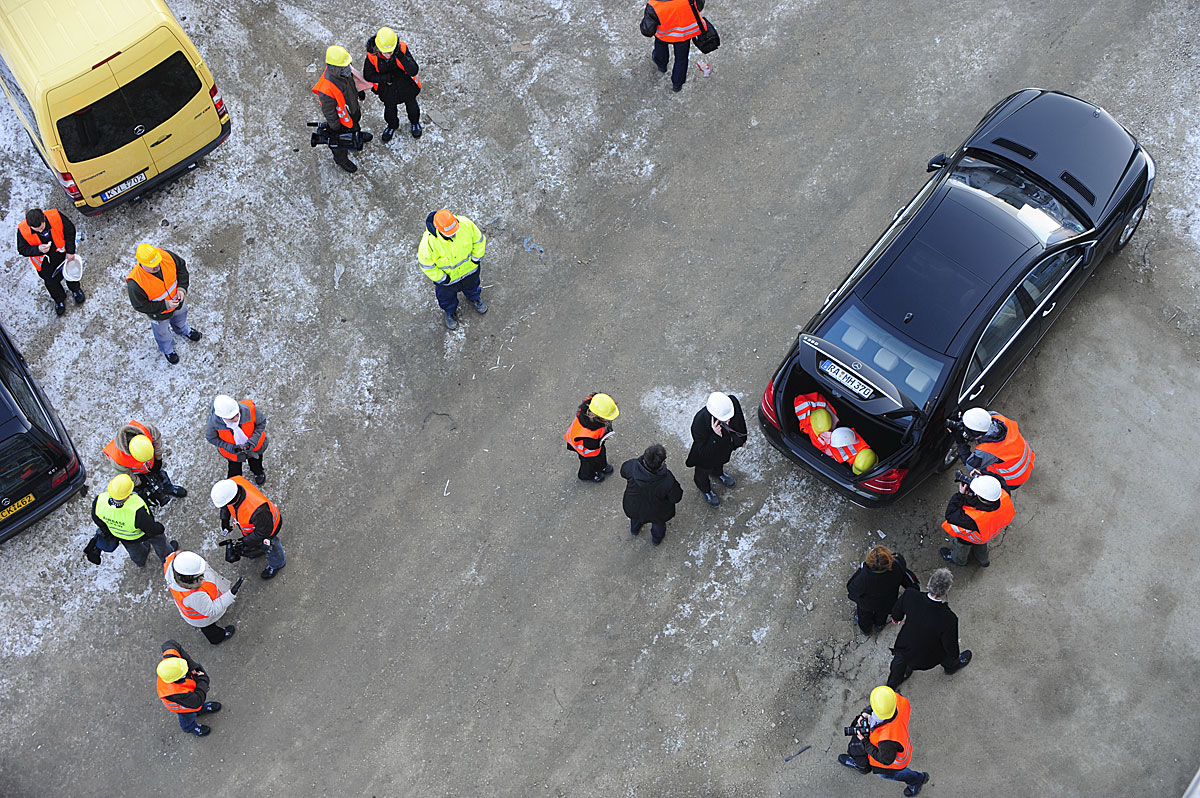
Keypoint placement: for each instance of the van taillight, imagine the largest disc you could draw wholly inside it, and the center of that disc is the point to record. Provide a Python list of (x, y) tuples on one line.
[(887, 482), (67, 472), (218, 103), (767, 405), (68, 183)]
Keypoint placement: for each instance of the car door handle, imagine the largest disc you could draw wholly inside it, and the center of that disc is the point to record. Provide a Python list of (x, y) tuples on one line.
[(978, 391), (1050, 309), (160, 141)]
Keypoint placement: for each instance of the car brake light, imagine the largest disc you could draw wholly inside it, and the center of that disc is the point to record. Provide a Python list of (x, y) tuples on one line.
[(887, 482), (767, 405), (67, 471), (217, 102), (68, 183)]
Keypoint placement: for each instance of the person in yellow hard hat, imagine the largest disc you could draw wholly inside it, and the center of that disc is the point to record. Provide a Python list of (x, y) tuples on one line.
[(391, 67), (158, 286), (339, 89), (880, 741), (451, 254), (120, 513), (183, 688), (589, 430), (136, 450)]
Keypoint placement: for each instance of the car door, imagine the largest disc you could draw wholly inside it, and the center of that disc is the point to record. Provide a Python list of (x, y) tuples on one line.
[(998, 351), (1051, 284)]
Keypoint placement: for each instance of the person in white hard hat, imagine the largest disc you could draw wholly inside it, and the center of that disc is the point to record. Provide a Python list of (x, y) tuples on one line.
[(257, 517), (718, 429), (999, 447), (239, 431), (980, 509), (201, 594)]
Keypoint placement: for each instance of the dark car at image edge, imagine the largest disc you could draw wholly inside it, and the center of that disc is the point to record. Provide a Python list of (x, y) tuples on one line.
[(961, 286), (39, 466)]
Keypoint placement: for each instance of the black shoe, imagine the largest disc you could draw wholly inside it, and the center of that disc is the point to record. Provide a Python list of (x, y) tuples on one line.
[(660, 67), (177, 492), (270, 571), (608, 469), (174, 545), (848, 761), (201, 730), (727, 480), (947, 555), (347, 165), (656, 541), (59, 308), (598, 477), (964, 659), (79, 297), (387, 134), (367, 137), (195, 335), (172, 358), (416, 130), (229, 630), (260, 479), (211, 706), (911, 791), (713, 499), (676, 89), (451, 321), (480, 306)]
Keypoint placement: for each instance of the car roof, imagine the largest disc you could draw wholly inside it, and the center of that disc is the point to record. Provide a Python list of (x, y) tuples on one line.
[(944, 271), (1075, 146), (12, 421)]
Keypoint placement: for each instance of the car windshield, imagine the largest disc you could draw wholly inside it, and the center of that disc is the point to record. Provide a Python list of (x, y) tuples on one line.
[(1033, 205), (20, 462), (914, 373)]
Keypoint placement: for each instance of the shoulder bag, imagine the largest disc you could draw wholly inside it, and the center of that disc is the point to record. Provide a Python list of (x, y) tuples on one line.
[(708, 39)]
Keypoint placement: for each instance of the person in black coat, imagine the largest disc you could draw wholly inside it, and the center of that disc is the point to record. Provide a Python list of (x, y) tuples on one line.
[(929, 636), (391, 66), (718, 429), (651, 492), (875, 587)]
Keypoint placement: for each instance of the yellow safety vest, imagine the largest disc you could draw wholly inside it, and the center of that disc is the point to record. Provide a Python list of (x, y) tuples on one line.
[(439, 257), (120, 520)]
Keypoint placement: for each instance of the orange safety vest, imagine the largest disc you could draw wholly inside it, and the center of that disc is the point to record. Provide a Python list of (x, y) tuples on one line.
[(1016, 458), (577, 430), (226, 434), (374, 59), (158, 287), (254, 499), (989, 522), (329, 89), (168, 689), (676, 22), (844, 454), (805, 404), (54, 218), (125, 459), (895, 730), (180, 595)]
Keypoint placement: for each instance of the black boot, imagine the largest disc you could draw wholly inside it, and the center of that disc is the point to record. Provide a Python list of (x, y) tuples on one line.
[(387, 134)]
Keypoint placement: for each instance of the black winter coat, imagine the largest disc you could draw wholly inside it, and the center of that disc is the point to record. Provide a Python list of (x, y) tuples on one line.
[(396, 76), (929, 635), (710, 450), (877, 590), (650, 496)]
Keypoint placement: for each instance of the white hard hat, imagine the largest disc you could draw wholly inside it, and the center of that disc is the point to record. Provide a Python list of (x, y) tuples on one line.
[(720, 405), (223, 492), (73, 269), (842, 436), (985, 487), (188, 563), (226, 406), (977, 419)]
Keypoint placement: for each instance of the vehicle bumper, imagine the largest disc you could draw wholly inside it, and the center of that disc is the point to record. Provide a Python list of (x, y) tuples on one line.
[(47, 505)]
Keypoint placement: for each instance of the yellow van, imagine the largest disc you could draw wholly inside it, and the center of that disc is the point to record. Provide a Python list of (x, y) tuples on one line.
[(113, 94)]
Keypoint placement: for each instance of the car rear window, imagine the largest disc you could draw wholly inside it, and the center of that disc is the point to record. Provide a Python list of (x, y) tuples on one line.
[(140, 105), (914, 373), (21, 462), (1032, 204)]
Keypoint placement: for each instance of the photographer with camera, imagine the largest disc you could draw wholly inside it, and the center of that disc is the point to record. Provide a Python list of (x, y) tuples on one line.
[(976, 514), (880, 742), (718, 429), (255, 515), (339, 89), (136, 450), (1000, 449)]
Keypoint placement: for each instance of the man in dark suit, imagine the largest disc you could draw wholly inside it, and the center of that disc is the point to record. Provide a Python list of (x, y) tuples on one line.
[(718, 429), (929, 636)]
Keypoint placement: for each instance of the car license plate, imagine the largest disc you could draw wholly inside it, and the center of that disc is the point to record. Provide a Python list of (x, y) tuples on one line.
[(846, 378), (17, 505), (123, 186)]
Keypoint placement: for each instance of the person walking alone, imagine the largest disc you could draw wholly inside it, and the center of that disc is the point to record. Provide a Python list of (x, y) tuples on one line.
[(391, 67), (588, 432), (47, 238), (451, 255), (929, 636), (651, 492), (718, 429), (183, 688), (672, 23), (157, 287), (239, 431)]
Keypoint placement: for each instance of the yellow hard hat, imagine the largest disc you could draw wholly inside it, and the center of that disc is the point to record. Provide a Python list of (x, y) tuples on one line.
[(120, 486), (386, 40), (141, 448), (883, 702), (864, 461), (603, 405), (820, 420), (148, 255), (338, 56), (172, 669)]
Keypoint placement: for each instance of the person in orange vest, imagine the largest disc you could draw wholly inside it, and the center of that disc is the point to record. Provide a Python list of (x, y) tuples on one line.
[(672, 22), (157, 286), (880, 741), (183, 688), (201, 594), (239, 431), (391, 67), (136, 450), (339, 89), (1000, 449), (47, 238), (589, 430), (976, 514), (255, 515)]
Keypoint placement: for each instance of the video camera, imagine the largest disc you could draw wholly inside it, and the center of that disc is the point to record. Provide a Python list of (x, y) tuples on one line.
[(962, 479), (859, 726), (349, 140), (237, 549)]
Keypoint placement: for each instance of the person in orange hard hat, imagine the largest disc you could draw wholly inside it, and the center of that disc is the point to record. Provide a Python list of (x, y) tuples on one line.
[(451, 254), (157, 286)]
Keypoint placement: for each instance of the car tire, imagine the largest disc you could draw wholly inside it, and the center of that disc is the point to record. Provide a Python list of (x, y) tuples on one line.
[(947, 461), (1131, 226)]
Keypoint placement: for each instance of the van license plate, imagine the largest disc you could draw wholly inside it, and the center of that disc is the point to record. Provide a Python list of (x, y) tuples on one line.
[(847, 379), (17, 505), (122, 187)]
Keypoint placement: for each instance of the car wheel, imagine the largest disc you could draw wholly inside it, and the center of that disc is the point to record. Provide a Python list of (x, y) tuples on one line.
[(1131, 226), (948, 458)]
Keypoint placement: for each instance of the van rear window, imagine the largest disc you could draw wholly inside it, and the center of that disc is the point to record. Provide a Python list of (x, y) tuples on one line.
[(133, 110), (21, 462)]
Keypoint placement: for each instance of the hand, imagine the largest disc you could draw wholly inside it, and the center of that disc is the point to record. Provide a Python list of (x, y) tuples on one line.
[(71, 256), (975, 472), (962, 488), (182, 295), (362, 95), (859, 735), (237, 585), (44, 247), (197, 672), (225, 532), (716, 426)]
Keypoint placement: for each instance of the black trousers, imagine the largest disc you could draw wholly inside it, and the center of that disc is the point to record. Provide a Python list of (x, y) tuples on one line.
[(901, 670), (703, 477), (591, 466), (391, 113), (214, 633), (52, 278), (256, 466), (869, 619), (662, 55)]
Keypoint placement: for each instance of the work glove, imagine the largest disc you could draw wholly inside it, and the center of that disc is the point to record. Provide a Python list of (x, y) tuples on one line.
[(476, 261), (362, 95), (237, 585)]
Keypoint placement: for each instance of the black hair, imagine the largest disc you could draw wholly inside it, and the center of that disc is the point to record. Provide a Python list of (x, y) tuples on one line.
[(35, 217), (654, 456)]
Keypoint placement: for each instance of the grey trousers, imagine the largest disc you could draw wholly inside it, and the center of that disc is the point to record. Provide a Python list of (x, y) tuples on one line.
[(962, 550), (176, 322)]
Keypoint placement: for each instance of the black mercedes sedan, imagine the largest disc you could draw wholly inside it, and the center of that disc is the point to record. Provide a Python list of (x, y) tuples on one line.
[(957, 291)]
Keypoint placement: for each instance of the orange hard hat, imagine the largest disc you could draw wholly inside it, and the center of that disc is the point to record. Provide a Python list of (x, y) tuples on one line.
[(445, 222)]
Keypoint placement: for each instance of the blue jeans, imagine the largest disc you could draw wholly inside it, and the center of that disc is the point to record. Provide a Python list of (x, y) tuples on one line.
[(662, 55), (275, 557), (447, 295), (187, 720), (907, 775), (139, 550), (176, 322)]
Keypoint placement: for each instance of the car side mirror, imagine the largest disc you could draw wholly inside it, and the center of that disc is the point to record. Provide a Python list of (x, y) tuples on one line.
[(936, 162), (1089, 254)]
